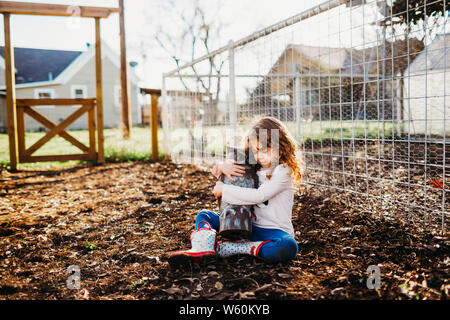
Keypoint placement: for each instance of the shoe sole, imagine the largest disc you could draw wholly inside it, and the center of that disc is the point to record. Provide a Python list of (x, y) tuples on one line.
[(186, 260)]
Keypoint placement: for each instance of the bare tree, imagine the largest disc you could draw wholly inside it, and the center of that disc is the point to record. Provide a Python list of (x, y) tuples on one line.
[(410, 13), (184, 33)]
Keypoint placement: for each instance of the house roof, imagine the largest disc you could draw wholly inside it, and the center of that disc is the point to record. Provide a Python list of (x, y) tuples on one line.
[(435, 56), (301, 61), (64, 74), (33, 65), (323, 58), (354, 62), (308, 61)]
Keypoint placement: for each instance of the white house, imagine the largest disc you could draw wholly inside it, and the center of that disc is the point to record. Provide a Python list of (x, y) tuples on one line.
[(426, 94), (69, 74)]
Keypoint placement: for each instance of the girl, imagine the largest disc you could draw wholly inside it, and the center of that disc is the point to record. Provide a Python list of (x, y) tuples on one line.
[(272, 237)]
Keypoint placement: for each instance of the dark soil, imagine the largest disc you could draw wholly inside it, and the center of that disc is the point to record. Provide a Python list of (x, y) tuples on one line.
[(117, 222)]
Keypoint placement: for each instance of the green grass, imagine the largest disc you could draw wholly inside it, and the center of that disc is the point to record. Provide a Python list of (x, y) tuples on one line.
[(139, 148), (316, 130), (116, 148)]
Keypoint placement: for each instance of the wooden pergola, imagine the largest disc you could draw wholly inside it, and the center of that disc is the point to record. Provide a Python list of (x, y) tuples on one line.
[(16, 108)]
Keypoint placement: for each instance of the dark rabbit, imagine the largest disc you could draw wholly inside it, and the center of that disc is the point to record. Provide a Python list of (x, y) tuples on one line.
[(236, 220)]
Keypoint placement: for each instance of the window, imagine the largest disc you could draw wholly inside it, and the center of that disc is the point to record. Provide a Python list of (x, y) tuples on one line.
[(311, 97), (284, 99), (44, 94), (78, 92)]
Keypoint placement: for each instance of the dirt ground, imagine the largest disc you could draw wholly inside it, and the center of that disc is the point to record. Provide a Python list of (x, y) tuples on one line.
[(117, 222)]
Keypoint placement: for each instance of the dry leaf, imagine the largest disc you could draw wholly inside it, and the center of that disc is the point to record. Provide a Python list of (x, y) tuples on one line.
[(173, 290)]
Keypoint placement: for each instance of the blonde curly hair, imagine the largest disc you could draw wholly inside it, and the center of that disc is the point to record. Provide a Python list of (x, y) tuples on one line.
[(289, 154)]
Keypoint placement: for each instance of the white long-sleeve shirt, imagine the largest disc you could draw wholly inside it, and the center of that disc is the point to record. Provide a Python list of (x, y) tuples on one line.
[(279, 191)]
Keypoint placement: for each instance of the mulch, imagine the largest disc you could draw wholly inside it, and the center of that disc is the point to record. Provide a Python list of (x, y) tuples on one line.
[(117, 222)]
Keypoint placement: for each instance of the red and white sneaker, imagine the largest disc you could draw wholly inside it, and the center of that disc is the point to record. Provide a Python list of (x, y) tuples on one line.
[(203, 250)]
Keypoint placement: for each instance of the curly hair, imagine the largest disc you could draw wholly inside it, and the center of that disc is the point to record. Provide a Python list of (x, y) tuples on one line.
[(263, 130)]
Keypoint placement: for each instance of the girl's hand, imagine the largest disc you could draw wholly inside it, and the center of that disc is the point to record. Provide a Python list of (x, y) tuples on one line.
[(229, 167), (217, 191)]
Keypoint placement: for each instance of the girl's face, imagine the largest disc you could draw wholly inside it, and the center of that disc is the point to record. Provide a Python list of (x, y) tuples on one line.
[(264, 156)]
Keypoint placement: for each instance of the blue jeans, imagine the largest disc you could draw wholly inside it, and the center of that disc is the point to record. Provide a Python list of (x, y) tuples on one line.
[(281, 248)]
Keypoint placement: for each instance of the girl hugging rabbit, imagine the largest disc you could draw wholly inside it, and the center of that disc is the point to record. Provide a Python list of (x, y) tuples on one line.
[(272, 237)]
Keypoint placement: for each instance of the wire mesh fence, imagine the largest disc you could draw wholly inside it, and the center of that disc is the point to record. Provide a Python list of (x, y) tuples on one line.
[(362, 86)]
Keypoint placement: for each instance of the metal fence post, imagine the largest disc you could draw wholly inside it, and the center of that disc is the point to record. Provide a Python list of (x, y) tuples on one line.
[(232, 92), (297, 95)]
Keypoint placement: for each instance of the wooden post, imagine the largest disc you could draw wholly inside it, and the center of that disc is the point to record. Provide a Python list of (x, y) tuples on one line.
[(20, 130), (10, 80), (99, 89), (91, 126), (165, 120), (125, 85), (154, 126)]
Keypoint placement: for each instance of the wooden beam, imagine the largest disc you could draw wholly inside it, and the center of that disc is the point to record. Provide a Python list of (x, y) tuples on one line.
[(99, 91), (64, 157), (174, 92), (44, 9), (151, 91), (125, 85), (49, 124), (21, 131), (56, 130), (91, 126), (154, 126), (10, 81), (54, 102)]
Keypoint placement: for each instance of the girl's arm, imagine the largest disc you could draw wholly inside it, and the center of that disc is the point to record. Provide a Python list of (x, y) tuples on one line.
[(280, 181)]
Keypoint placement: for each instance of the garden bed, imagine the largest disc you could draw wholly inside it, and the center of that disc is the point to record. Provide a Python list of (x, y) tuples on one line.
[(117, 222)]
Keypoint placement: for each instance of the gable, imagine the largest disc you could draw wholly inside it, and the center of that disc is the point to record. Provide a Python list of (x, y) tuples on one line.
[(435, 56)]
